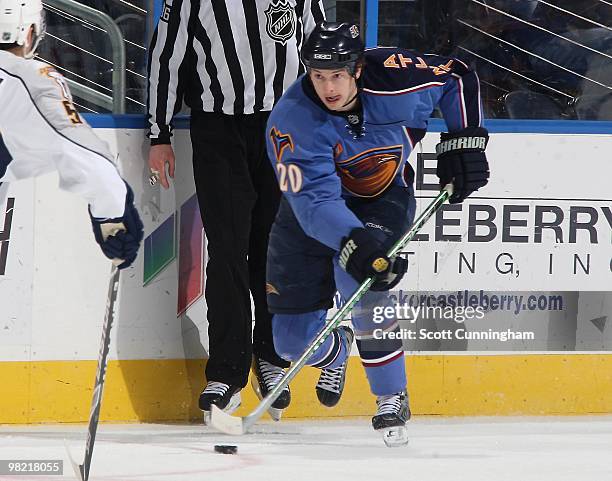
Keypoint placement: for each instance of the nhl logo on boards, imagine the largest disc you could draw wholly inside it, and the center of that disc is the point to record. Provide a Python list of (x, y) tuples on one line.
[(280, 21)]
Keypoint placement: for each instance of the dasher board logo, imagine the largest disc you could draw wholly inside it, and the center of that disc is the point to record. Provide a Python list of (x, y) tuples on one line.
[(280, 21)]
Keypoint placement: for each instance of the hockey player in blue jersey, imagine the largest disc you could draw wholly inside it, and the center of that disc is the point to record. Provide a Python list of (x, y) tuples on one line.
[(339, 140)]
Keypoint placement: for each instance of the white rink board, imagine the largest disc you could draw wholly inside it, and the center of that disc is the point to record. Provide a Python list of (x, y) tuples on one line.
[(16, 282), (55, 310), (531, 174), (53, 292)]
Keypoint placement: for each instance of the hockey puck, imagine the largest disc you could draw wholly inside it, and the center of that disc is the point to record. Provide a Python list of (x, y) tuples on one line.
[(225, 449)]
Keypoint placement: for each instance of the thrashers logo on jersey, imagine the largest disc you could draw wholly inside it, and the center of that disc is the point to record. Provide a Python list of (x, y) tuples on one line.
[(280, 21), (280, 142), (369, 173)]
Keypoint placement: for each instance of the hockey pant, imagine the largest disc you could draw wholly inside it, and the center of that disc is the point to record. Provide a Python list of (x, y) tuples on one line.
[(383, 360)]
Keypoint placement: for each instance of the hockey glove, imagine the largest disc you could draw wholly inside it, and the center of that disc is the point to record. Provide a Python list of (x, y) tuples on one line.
[(462, 161), (362, 256), (118, 243)]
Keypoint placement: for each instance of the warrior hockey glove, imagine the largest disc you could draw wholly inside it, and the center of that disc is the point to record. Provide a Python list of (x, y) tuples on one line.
[(362, 256), (462, 161), (125, 243)]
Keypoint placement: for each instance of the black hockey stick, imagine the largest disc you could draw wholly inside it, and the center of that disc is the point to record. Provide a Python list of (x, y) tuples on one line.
[(82, 470), (229, 424)]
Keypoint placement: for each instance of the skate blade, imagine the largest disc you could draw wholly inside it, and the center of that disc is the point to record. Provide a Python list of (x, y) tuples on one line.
[(395, 436), (274, 413), (234, 403)]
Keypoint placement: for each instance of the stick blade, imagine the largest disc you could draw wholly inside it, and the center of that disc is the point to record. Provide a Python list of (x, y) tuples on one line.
[(78, 468), (226, 423)]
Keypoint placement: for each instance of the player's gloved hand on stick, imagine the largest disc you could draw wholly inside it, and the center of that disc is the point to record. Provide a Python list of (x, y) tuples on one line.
[(362, 256), (462, 161), (120, 238)]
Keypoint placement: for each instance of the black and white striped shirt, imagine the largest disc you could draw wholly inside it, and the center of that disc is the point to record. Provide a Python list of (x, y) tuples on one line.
[(229, 56)]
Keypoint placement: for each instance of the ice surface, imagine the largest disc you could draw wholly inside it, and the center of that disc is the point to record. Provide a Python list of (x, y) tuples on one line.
[(440, 449)]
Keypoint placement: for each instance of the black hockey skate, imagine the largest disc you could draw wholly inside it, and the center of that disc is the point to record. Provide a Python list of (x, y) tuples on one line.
[(391, 416), (331, 381), (224, 396), (266, 377)]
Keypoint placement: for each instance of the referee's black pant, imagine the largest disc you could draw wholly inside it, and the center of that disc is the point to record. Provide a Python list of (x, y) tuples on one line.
[(238, 197)]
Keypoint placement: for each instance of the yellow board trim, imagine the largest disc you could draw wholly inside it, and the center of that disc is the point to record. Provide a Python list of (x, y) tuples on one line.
[(167, 390)]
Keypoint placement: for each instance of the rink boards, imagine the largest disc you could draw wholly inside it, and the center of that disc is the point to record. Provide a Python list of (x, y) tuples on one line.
[(536, 244), (440, 384)]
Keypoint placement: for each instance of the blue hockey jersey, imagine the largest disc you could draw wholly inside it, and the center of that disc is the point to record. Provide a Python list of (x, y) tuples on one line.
[(321, 157)]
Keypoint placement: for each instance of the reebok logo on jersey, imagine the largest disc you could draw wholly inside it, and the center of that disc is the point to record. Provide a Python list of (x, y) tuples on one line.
[(461, 143), (280, 21), (346, 252), (386, 230)]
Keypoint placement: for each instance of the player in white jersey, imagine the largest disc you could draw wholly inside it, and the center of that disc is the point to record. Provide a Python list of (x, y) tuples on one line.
[(41, 131)]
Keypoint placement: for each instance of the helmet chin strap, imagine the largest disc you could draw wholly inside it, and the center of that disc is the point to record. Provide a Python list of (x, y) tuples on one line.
[(28, 50), (34, 38), (33, 46), (348, 102)]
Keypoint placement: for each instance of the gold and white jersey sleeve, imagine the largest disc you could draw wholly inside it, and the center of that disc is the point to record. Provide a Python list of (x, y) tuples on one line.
[(42, 132)]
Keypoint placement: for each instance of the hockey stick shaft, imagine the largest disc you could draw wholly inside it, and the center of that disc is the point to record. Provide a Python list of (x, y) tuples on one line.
[(266, 402), (96, 401)]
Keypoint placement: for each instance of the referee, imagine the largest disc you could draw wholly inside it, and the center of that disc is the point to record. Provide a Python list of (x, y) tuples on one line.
[(230, 61)]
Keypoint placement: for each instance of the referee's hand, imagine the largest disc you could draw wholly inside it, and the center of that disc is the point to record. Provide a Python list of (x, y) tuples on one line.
[(159, 156)]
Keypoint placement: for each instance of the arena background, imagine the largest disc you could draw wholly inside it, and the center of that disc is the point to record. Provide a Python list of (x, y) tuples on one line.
[(539, 236)]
